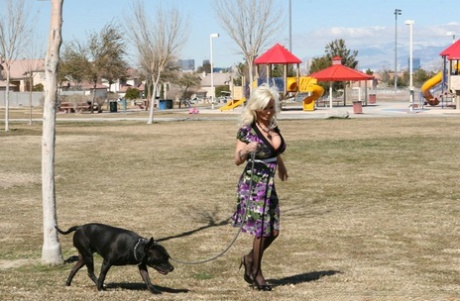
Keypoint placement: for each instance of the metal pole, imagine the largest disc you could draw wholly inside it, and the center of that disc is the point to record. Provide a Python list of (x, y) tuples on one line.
[(410, 23), (290, 26), (397, 12), (211, 36)]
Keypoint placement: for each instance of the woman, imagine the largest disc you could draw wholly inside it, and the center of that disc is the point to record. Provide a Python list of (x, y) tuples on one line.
[(258, 210)]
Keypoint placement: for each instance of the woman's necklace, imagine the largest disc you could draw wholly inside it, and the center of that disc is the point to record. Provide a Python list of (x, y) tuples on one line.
[(267, 131)]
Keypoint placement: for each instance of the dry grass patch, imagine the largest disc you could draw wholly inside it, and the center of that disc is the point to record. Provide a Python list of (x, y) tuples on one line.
[(369, 212)]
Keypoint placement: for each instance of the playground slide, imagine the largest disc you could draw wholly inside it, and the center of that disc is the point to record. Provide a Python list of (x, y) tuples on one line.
[(232, 104), (308, 84), (309, 101), (430, 84)]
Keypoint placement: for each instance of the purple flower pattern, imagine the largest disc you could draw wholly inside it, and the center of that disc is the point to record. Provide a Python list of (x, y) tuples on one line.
[(258, 210)]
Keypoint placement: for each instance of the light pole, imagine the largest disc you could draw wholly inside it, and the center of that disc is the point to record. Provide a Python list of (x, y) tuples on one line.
[(290, 26), (397, 12), (211, 36), (451, 33), (410, 23)]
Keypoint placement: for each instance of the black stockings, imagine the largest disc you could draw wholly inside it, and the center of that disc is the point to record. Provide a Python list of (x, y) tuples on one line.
[(254, 258)]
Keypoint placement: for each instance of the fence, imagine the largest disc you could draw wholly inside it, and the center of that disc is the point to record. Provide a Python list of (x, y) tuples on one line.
[(22, 99)]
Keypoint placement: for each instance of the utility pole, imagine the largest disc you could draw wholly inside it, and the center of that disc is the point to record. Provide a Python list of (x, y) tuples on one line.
[(397, 12)]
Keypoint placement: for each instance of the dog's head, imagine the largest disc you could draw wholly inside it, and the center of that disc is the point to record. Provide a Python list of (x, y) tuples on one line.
[(157, 257)]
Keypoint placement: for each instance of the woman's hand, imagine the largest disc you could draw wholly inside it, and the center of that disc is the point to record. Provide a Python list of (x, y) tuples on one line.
[(282, 171), (242, 150), (252, 147)]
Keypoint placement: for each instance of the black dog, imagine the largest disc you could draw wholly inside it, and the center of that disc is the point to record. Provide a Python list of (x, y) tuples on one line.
[(117, 247)]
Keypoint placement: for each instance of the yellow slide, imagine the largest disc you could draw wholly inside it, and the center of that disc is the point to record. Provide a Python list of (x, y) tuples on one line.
[(232, 104), (430, 84), (309, 101), (307, 84)]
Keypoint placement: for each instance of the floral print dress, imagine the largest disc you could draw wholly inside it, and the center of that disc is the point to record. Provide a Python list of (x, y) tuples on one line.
[(260, 206)]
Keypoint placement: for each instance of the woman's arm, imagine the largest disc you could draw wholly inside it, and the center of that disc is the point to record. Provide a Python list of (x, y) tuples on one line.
[(242, 150), (282, 171)]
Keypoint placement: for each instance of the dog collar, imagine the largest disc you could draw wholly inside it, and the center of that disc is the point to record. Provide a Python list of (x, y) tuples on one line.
[(135, 248)]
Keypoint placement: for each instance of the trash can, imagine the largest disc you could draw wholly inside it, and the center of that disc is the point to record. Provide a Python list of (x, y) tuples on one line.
[(113, 106), (162, 104), (165, 104), (357, 107), (123, 103), (372, 98)]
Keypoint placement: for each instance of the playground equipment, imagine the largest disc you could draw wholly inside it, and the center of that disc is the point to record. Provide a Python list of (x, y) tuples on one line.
[(305, 84), (446, 81), (237, 99), (428, 86), (308, 85)]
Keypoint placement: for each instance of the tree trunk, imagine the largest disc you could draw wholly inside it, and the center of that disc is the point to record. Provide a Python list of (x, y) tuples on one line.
[(154, 93), (51, 250), (7, 100)]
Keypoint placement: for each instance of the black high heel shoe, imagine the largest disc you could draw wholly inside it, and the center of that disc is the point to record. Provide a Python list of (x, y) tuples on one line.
[(261, 287), (247, 277)]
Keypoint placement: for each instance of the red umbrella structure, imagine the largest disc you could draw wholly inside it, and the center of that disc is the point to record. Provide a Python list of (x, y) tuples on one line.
[(278, 55), (338, 72), (452, 52)]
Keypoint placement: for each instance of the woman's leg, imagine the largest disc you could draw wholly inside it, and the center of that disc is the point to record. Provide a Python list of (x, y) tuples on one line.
[(254, 258)]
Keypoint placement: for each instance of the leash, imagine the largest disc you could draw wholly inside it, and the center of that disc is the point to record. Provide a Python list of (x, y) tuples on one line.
[(253, 155)]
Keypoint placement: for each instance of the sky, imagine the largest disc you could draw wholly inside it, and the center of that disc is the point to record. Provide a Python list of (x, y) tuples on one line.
[(368, 26)]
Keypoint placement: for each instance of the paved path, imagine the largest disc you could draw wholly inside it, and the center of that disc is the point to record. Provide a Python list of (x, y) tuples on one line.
[(381, 109), (378, 110)]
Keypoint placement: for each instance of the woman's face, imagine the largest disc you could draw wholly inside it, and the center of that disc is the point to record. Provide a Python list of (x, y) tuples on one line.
[(267, 113)]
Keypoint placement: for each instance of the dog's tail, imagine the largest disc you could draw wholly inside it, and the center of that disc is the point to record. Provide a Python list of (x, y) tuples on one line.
[(68, 231)]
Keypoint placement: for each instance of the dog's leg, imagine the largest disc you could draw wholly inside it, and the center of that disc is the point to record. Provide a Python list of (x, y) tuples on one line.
[(104, 270), (80, 263), (145, 276), (89, 262)]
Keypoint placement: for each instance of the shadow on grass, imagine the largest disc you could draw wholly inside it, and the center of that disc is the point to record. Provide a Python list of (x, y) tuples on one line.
[(206, 217), (138, 286), (305, 277)]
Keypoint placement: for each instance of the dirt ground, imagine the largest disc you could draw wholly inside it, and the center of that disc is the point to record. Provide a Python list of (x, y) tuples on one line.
[(370, 211)]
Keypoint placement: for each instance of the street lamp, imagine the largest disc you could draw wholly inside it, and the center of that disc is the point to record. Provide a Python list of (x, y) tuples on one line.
[(397, 12), (451, 33), (410, 23), (211, 36)]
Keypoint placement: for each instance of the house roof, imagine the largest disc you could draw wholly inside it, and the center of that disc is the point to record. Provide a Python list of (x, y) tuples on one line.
[(21, 68), (339, 72), (219, 79), (277, 55), (452, 52)]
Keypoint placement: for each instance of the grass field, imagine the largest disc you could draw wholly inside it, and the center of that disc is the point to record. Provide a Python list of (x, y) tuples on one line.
[(370, 211)]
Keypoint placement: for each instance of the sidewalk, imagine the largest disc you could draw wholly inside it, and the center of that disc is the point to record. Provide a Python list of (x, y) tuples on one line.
[(379, 109)]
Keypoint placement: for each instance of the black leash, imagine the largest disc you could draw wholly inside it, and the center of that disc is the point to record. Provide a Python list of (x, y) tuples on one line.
[(253, 155)]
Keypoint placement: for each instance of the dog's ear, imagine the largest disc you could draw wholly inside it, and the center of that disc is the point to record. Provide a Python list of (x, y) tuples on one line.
[(150, 243)]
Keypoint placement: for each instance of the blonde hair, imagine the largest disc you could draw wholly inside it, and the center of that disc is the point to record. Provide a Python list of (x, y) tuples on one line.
[(259, 100)]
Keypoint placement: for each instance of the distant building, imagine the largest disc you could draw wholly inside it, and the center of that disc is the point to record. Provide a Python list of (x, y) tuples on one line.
[(415, 64), (186, 65)]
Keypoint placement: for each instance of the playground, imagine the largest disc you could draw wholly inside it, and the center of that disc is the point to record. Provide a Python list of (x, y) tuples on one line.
[(442, 90), (370, 211)]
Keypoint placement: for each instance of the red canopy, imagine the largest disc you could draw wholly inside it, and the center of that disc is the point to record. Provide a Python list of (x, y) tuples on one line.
[(338, 72), (277, 55), (452, 52)]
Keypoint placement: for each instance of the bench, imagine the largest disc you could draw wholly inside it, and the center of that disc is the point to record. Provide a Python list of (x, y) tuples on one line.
[(142, 104), (324, 102), (70, 107)]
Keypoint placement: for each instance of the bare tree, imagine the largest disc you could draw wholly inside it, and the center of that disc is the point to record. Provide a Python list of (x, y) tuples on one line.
[(250, 23), (157, 40), (14, 32), (51, 250)]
